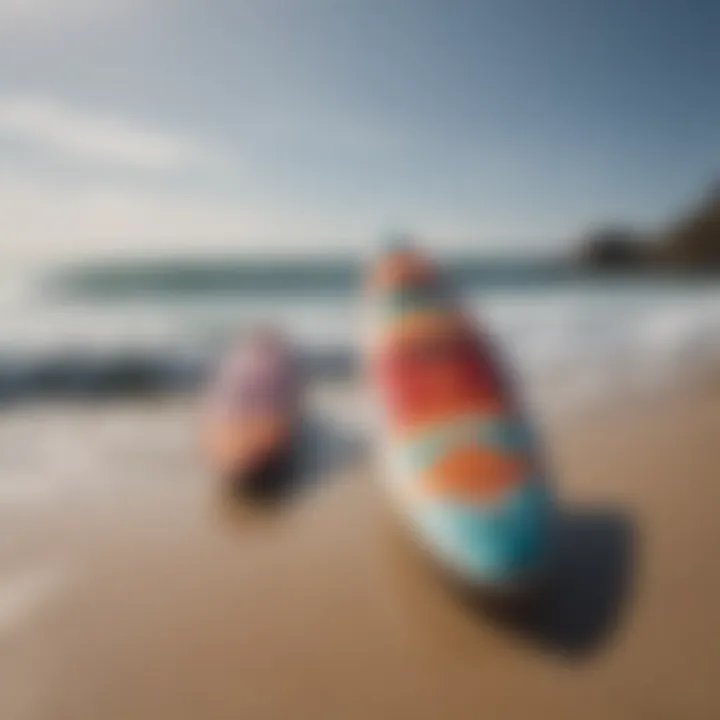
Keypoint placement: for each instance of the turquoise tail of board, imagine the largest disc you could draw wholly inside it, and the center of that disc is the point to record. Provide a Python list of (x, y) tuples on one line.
[(496, 545)]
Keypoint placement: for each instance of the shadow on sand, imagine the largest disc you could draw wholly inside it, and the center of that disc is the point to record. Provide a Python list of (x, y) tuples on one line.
[(590, 582), (320, 452)]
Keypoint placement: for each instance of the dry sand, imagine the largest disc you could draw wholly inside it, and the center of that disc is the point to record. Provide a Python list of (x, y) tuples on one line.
[(129, 591)]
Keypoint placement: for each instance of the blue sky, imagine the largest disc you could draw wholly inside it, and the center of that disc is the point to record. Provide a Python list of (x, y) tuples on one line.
[(318, 124)]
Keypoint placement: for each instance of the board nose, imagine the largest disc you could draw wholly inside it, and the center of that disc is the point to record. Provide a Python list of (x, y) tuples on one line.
[(399, 261)]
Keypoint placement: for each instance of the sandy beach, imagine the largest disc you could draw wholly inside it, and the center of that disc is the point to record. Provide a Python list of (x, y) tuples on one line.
[(128, 590)]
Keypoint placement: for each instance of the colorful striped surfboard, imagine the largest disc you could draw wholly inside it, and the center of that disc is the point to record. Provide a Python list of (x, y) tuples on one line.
[(461, 461)]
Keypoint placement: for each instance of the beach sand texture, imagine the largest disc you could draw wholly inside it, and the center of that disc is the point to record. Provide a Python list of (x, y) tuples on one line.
[(130, 590)]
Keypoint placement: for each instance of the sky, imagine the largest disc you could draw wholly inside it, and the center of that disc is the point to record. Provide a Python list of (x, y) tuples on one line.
[(319, 125)]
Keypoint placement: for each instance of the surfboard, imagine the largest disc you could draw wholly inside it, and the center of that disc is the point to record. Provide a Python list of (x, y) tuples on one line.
[(461, 462), (251, 411)]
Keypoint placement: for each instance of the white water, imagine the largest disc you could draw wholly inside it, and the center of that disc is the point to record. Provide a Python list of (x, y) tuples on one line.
[(571, 343), (588, 344)]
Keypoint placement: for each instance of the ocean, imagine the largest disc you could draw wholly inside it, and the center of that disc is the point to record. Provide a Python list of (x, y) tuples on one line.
[(573, 336)]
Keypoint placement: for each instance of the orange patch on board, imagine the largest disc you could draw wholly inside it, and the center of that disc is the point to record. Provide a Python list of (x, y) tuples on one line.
[(472, 472)]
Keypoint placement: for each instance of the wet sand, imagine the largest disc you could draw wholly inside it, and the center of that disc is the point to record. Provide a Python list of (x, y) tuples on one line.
[(129, 590)]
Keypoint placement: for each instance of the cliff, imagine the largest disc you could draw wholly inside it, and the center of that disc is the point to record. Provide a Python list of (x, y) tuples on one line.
[(689, 244), (694, 242)]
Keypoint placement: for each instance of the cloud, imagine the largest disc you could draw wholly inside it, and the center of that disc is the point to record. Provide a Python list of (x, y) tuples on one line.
[(77, 134), (45, 220), (42, 12)]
